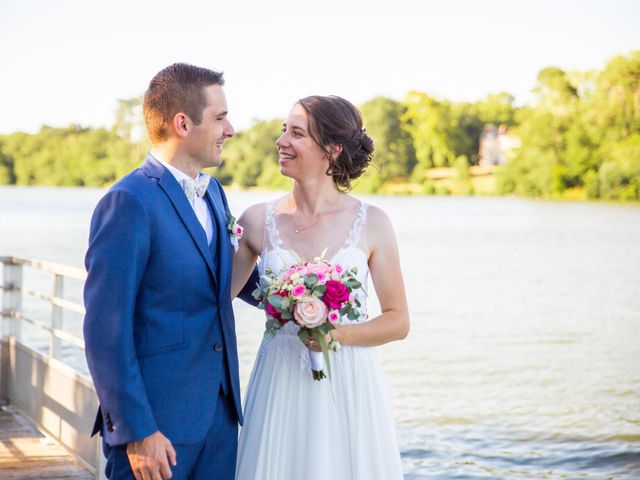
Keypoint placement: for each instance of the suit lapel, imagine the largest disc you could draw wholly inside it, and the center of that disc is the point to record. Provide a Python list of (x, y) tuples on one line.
[(172, 189), (224, 244)]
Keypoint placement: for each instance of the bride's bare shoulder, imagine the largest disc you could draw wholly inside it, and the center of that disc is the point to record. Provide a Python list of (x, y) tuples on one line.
[(254, 215), (377, 218), (379, 228)]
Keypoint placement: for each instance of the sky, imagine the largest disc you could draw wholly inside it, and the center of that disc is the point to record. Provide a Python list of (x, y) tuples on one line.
[(66, 62)]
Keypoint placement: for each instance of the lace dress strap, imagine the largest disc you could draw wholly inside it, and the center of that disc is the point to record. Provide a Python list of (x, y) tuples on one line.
[(358, 226), (273, 236)]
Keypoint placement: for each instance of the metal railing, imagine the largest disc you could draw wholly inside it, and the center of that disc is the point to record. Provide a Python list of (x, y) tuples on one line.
[(13, 292), (54, 395)]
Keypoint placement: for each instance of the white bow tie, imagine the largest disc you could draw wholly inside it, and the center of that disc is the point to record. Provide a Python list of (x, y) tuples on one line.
[(193, 188)]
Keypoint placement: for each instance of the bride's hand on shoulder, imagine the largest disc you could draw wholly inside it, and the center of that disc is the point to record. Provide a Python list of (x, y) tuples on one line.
[(250, 245)]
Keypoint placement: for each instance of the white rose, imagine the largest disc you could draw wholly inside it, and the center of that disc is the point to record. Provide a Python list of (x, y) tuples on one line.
[(310, 311)]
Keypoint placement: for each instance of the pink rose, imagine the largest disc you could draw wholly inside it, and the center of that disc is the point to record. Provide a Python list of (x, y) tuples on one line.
[(333, 316), (322, 278), (310, 311), (336, 271), (318, 268), (301, 269), (239, 231), (335, 294), (272, 312), (298, 291)]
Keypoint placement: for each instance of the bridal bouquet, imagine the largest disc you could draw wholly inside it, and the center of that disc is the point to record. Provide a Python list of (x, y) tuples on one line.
[(314, 295)]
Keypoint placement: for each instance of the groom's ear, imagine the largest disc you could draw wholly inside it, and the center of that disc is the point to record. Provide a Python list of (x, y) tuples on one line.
[(181, 124)]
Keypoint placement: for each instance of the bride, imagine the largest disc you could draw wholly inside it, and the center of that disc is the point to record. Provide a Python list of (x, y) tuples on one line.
[(342, 427)]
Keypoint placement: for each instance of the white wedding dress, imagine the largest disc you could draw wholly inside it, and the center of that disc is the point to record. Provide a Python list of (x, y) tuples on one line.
[(298, 428)]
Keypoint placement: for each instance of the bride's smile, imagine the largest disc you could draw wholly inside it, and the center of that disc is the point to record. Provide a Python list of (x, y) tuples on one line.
[(285, 157)]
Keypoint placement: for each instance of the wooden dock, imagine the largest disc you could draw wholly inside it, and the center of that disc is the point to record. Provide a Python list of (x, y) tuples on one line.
[(27, 454)]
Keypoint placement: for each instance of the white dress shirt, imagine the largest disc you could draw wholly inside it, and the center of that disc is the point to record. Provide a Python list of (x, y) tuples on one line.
[(198, 204)]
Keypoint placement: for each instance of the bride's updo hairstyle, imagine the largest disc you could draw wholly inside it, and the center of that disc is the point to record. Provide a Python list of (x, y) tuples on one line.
[(336, 121)]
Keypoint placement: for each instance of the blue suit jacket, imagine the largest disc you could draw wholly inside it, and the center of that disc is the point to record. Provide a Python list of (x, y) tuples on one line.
[(159, 328)]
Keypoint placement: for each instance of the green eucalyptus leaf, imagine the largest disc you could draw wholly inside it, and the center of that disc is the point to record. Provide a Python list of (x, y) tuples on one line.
[(303, 335), (275, 300), (272, 325), (319, 290), (310, 280)]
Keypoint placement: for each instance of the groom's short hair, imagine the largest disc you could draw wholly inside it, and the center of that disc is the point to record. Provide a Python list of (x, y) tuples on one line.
[(176, 88)]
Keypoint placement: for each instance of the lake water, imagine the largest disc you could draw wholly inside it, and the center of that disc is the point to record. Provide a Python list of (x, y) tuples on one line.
[(523, 359)]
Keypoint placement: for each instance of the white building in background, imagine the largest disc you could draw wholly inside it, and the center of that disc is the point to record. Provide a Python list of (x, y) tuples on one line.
[(497, 146)]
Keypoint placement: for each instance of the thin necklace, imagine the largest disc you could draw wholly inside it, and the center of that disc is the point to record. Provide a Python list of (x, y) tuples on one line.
[(320, 216)]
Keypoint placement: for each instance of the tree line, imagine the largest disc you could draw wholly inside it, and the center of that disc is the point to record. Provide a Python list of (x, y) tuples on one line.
[(579, 138)]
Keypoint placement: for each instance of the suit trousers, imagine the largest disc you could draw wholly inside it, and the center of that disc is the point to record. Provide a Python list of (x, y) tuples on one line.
[(212, 458)]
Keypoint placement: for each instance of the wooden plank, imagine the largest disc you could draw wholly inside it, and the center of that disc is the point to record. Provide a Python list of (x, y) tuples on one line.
[(27, 454)]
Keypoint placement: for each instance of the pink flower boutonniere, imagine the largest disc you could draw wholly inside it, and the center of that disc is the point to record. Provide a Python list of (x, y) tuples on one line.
[(235, 232)]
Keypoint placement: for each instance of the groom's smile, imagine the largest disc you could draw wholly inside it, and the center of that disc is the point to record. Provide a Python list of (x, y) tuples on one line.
[(214, 129)]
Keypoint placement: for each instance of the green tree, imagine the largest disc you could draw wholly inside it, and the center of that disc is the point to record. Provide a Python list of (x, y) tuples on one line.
[(129, 141), (465, 136), (394, 152), (429, 123), (7, 176), (247, 155), (614, 125), (619, 174), (497, 108), (540, 168)]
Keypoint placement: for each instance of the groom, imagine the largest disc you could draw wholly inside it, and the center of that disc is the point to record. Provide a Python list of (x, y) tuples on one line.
[(159, 329)]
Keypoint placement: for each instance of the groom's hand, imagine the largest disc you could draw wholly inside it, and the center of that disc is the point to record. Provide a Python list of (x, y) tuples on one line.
[(150, 457)]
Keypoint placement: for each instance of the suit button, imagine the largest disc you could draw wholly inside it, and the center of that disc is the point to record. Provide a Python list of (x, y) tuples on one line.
[(217, 347)]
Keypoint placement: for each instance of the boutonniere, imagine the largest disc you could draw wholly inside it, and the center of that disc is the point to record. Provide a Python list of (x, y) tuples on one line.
[(235, 232)]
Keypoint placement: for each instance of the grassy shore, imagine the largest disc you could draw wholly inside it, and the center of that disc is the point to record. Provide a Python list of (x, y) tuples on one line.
[(480, 180)]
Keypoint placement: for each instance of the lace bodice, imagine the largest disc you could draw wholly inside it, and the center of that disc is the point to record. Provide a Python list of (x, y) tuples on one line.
[(278, 258)]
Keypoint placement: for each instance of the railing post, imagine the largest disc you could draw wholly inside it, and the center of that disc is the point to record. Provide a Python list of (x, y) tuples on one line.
[(11, 299), (55, 347), (102, 462)]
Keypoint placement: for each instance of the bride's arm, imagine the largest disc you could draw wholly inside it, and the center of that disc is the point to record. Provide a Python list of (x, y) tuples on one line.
[(245, 258), (384, 266)]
